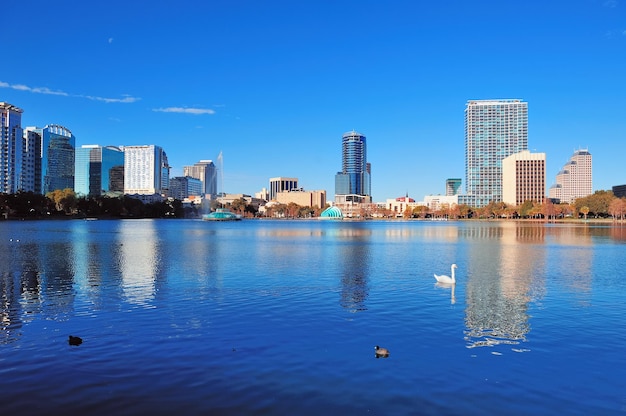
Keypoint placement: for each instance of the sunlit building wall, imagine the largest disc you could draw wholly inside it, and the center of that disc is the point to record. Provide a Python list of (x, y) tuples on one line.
[(494, 129), (303, 198), (144, 168), (574, 180), (524, 178), (31, 162), (281, 184)]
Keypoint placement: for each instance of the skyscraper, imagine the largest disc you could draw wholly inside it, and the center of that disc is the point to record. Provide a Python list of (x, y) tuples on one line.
[(524, 178), (206, 172), (10, 147), (96, 170), (494, 129), (145, 170), (575, 179), (354, 178), (57, 157)]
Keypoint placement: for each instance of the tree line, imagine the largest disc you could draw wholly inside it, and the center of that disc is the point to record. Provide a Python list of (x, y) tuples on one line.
[(601, 204), (64, 203)]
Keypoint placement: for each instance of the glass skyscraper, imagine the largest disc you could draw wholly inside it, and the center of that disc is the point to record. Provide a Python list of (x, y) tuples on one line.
[(57, 157), (494, 129), (354, 178), (97, 170)]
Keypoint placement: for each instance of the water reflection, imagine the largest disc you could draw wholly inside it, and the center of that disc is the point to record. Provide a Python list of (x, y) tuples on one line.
[(504, 271), (355, 257), (451, 287), (139, 260)]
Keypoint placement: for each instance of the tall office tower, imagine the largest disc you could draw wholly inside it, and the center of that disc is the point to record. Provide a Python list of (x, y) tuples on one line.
[(575, 179), (524, 178), (354, 178), (206, 172), (144, 170), (31, 162), (494, 129), (281, 184), (10, 147), (57, 157), (453, 186), (95, 171)]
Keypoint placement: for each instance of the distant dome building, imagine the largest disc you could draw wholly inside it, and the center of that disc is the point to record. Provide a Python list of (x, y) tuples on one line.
[(331, 213)]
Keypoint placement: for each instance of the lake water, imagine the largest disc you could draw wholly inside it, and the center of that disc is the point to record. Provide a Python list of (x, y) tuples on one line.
[(281, 317)]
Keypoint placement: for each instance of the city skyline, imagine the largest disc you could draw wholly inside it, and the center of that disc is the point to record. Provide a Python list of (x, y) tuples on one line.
[(274, 94)]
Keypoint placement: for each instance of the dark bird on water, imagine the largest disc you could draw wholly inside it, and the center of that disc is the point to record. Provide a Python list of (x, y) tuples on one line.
[(75, 340), (381, 352)]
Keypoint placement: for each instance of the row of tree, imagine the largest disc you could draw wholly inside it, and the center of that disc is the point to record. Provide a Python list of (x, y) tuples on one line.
[(601, 204), (63, 203)]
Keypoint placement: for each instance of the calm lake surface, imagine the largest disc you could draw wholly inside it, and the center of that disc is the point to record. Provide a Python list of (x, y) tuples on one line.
[(281, 317)]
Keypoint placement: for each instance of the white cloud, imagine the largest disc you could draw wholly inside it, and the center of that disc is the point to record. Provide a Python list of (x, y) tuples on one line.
[(185, 110), (611, 3), (126, 99), (37, 90), (48, 91), (110, 40)]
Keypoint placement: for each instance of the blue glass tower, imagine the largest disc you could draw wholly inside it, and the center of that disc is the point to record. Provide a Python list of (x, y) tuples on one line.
[(99, 170), (354, 178), (57, 157)]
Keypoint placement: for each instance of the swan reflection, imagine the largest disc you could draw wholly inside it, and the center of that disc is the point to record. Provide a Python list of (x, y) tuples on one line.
[(450, 286)]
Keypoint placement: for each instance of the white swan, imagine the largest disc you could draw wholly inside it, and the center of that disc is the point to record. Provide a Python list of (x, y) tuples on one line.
[(442, 278)]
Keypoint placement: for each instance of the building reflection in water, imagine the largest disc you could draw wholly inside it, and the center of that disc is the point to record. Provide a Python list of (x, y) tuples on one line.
[(505, 272), (139, 261), (354, 252)]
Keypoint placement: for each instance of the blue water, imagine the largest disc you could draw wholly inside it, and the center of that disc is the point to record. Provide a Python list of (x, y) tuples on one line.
[(281, 317)]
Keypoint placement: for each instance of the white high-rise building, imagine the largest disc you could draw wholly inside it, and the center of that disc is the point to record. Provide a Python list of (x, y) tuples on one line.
[(494, 129), (574, 180), (146, 171), (10, 148), (524, 178)]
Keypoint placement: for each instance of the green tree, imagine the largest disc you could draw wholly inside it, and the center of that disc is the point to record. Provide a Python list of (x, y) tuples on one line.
[(584, 210), (525, 208), (64, 200)]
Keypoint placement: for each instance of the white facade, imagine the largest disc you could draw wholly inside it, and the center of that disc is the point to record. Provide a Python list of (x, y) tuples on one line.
[(144, 168), (10, 147), (437, 202), (575, 179), (524, 178), (281, 184)]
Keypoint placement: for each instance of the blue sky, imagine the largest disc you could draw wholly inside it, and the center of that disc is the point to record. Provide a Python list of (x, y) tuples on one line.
[(274, 84)]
